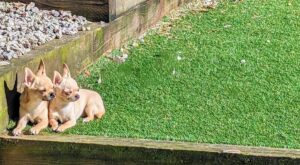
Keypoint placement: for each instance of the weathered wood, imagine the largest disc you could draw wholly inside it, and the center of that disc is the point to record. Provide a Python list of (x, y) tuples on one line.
[(94, 10), (119, 7), (94, 149)]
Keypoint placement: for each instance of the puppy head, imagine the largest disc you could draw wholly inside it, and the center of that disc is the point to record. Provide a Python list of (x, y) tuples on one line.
[(39, 83), (66, 87)]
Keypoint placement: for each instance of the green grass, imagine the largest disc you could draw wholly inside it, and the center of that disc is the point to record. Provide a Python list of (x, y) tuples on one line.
[(213, 97)]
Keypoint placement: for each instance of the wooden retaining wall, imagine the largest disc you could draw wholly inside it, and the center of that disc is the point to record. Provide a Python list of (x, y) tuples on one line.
[(119, 7), (100, 150)]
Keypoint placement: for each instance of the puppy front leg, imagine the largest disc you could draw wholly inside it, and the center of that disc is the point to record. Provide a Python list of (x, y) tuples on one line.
[(89, 111), (53, 124), (21, 125), (66, 125), (37, 128), (52, 120)]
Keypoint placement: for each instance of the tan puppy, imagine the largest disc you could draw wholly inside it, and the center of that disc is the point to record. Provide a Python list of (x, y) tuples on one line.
[(38, 91), (71, 102)]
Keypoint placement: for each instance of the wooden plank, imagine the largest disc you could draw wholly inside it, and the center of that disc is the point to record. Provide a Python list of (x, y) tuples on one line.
[(112, 10), (102, 149), (93, 10), (119, 7)]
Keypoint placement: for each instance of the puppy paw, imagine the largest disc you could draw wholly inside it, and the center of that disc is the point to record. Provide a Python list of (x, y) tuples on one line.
[(60, 129), (16, 132), (54, 128), (34, 131), (85, 120)]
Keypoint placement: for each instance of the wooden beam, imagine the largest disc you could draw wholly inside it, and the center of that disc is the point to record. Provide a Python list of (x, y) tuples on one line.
[(112, 10), (74, 148), (119, 7)]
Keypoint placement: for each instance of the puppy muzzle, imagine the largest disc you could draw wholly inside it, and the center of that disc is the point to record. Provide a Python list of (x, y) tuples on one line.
[(50, 97)]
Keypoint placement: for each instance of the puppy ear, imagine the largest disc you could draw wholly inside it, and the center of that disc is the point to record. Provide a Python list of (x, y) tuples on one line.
[(42, 69), (66, 71), (57, 79), (29, 78)]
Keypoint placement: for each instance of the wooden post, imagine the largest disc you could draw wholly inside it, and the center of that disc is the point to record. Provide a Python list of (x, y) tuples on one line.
[(119, 7)]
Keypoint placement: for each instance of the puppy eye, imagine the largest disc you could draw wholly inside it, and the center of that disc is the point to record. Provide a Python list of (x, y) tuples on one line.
[(43, 90), (67, 93)]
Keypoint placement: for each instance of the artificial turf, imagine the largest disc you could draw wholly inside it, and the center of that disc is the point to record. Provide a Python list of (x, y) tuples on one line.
[(230, 76)]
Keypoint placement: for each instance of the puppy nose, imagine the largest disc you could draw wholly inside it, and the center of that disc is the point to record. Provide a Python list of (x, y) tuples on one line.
[(77, 96), (52, 95)]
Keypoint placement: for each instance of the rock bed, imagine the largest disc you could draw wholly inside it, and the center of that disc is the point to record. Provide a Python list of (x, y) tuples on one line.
[(24, 27)]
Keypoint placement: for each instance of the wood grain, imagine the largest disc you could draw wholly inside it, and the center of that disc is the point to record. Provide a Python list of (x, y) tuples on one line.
[(119, 7), (88, 149)]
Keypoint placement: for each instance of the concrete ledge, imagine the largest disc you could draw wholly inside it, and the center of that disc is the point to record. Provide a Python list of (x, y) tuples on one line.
[(94, 149), (78, 51)]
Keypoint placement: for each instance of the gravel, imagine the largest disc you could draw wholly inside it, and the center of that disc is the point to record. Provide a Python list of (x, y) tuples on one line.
[(24, 27)]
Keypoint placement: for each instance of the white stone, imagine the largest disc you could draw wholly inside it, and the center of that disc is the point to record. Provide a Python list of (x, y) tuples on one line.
[(27, 27), (243, 61)]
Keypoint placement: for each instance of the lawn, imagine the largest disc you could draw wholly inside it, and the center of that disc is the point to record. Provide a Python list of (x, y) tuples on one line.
[(230, 76)]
